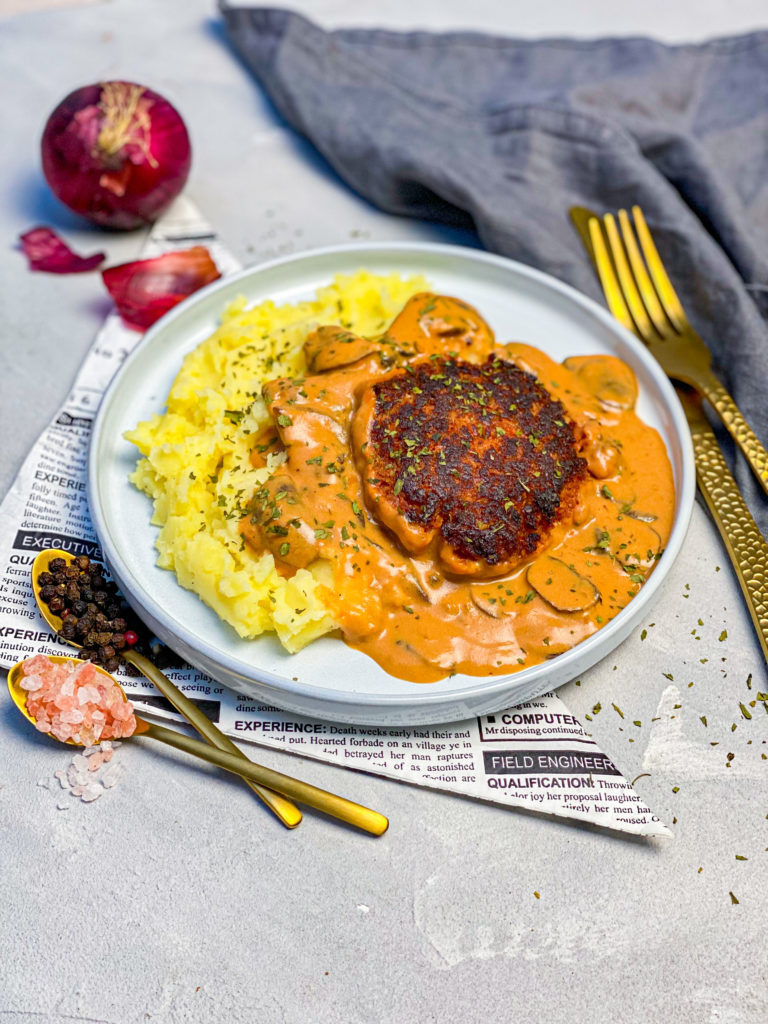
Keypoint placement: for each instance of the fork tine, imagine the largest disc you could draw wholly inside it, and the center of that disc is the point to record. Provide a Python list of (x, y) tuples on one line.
[(642, 280), (611, 287), (628, 287), (666, 292)]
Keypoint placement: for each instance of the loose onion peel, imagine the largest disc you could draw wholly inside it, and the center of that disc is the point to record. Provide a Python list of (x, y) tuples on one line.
[(47, 252), (146, 289)]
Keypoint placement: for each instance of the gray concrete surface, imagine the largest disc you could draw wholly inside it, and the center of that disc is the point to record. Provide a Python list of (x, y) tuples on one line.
[(175, 898)]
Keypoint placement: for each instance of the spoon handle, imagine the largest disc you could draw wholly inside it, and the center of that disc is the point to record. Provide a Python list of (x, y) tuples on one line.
[(354, 814), (287, 812)]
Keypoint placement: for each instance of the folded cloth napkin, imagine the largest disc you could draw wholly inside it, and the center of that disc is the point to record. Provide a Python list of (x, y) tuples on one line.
[(507, 134)]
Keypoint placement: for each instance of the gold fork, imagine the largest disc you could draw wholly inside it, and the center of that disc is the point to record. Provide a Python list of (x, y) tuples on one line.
[(746, 546), (644, 292)]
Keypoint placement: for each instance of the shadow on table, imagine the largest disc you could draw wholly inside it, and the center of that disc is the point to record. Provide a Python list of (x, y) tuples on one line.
[(39, 205)]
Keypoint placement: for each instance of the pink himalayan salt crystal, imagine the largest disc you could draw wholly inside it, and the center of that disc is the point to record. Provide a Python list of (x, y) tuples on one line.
[(39, 663), (75, 702), (110, 776)]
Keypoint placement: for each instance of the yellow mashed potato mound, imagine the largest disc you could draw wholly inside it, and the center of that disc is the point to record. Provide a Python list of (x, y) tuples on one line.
[(196, 467)]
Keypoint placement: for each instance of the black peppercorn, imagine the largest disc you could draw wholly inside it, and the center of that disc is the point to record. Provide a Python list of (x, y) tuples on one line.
[(91, 607)]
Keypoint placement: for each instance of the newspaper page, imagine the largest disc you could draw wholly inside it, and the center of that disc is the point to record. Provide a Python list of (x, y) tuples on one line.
[(535, 756)]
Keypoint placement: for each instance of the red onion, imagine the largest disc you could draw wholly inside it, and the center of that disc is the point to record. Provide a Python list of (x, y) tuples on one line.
[(116, 153), (46, 251), (146, 289)]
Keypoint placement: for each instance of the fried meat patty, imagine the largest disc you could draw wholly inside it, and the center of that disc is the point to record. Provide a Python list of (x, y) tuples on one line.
[(480, 457)]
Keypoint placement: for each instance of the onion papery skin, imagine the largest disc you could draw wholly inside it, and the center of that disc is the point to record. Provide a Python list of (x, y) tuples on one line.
[(144, 290), (116, 153), (47, 252)]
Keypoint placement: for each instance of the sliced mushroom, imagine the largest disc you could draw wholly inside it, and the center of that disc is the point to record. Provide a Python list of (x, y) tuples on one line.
[(636, 544), (644, 517), (561, 586), (331, 347), (426, 321), (608, 378), (487, 603), (627, 506)]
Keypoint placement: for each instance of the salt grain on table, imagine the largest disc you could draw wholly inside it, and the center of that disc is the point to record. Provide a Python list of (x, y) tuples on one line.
[(110, 776), (87, 775)]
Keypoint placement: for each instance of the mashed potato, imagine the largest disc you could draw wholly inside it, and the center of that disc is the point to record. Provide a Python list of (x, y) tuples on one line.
[(196, 467)]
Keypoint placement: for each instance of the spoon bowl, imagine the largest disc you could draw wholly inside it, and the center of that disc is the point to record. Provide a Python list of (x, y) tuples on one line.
[(19, 694)]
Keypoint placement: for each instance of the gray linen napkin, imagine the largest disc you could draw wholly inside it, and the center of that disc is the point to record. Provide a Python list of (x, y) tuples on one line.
[(507, 134)]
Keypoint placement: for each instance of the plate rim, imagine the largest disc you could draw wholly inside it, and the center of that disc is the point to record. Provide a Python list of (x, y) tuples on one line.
[(423, 696)]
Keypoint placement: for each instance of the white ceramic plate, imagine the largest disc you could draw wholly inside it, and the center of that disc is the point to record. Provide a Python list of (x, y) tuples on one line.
[(328, 679)]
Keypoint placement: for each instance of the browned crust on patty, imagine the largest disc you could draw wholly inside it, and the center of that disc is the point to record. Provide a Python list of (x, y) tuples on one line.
[(480, 458)]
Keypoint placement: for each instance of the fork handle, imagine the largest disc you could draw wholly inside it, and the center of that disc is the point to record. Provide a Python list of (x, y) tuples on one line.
[(746, 546), (754, 452)]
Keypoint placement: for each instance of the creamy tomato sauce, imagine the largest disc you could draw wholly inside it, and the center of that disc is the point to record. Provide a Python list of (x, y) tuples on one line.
[(422, 614)]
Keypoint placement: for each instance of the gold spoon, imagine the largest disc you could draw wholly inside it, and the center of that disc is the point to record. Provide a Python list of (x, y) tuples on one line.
[(287, 812), (354, 814)]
